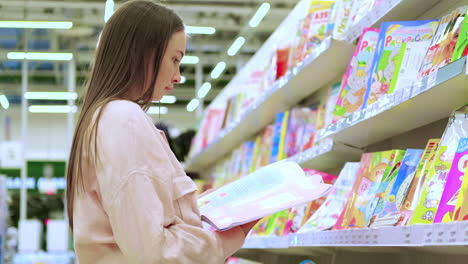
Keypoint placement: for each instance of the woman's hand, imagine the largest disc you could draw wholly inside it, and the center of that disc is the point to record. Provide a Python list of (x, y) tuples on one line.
[(248, 226)]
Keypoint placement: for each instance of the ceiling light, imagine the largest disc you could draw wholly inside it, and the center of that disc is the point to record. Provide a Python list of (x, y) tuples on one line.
[(155, 110), (52, 109), (39, 56), (4, 101), (200, 30), (259, 15), (204, 89), (109, 10), (235, 47), (36, 24), (190, 60), (193, 105), (218, 70), (50, 96)]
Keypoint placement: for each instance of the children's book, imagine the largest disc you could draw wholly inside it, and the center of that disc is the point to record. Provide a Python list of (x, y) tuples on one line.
[(268, 190), (327, 215), (461, 209), (452, 186), (392, 198), (333, 94), (310, 128), (428, 65), (414, 192), (354, 83), (279, 137), (297, 123), (380, 188), (461, 48), (457, 128), (355, 216), (319, 18), (392, 36), (300, 214), (360, 9), (343, 13)]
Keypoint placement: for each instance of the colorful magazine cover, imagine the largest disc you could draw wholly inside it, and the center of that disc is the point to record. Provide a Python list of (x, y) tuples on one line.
[(319, 18), (392, 36), (298, 119), (300, 214), (327, 215), (380, 189), (461, 209), (415, 190), (452, 186), (397, 190), (354, 83), (450, 37), (461, 48), (457, 128), (333, 94), (280, 124), (364, 192), (360, 9), (343, 13)]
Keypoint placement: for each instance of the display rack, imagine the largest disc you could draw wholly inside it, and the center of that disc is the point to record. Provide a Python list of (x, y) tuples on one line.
[(326, 155), (430, 100), (323, 66)]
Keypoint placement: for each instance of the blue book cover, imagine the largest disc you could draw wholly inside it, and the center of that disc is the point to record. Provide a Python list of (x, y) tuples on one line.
[(276, 137), (392, 36)]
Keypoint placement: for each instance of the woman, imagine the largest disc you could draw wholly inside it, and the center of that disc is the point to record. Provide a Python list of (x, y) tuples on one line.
[(129, 200)]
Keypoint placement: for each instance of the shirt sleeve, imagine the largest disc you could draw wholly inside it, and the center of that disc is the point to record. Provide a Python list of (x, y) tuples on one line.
[(136, 181)]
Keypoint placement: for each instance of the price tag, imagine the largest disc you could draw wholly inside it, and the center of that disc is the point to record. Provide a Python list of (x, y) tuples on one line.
[(462, 233), (429, 235), (431, 81), (450, 233)]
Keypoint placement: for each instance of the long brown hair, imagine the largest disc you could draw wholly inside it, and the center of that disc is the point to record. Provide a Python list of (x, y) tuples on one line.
[(132, 43)]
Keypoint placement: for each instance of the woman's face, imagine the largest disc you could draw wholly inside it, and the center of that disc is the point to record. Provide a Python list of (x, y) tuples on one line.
[(169, 71)]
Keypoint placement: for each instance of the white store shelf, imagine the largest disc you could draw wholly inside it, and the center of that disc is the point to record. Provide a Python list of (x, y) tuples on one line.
[(326, 155), (320, 68), (445, 238), (425, 102)]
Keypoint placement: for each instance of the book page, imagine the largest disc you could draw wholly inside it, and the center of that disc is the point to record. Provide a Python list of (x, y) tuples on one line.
[(273, 188)]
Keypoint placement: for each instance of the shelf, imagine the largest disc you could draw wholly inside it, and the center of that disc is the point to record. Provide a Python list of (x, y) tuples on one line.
[(320, 68), (326, 64), (430, 100), (327, 155), (445, 238)]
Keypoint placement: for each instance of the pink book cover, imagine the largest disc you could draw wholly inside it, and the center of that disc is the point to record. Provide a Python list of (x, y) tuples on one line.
[(453, 184), (354, 83)]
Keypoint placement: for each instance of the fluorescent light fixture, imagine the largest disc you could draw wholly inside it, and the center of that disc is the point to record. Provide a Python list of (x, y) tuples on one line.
[(50, 96), (168, 99), (4, 101), (192, 105), (52, 109), (259, 15), (183, 79), (200, 30), (204, 89), (218, 70), (39, 56), (235, 47), (190, 60), (109, 10), (154, 110), (36, 24)]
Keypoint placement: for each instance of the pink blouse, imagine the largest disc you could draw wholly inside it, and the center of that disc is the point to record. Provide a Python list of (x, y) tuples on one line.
[(139, 207)]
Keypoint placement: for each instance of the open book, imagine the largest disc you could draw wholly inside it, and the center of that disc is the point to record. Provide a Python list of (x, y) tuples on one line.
[(273, 188)]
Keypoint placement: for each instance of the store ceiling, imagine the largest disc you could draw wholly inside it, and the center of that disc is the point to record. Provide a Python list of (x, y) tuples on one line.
[(229, 17)]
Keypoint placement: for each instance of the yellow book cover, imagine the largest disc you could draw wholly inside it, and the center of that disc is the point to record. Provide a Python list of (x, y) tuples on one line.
[(284, 129)]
